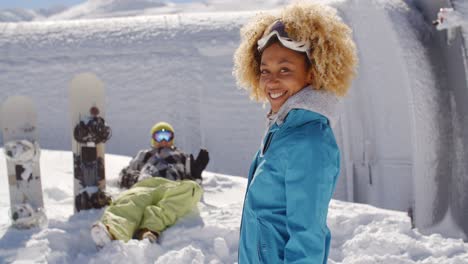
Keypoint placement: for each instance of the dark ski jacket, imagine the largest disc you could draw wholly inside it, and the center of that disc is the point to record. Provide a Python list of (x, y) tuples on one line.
[(169, 163)]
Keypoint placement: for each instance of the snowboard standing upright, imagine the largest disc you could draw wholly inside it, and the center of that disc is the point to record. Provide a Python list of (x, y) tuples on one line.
[(89, 134), (22, 152)]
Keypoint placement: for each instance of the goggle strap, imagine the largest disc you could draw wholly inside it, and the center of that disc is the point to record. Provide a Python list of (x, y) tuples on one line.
[(301, 46)]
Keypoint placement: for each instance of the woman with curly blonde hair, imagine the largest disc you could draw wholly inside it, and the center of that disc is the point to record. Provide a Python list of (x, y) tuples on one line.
[(300, 62)]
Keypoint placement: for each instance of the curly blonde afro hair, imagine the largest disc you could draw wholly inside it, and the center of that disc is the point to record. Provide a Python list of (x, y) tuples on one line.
[(333, 52)]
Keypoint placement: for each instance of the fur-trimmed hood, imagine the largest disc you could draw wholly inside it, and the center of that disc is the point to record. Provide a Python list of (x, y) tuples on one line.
[(319, 101)]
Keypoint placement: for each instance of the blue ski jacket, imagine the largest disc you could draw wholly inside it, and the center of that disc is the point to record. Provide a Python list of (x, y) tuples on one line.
[(290, 184)]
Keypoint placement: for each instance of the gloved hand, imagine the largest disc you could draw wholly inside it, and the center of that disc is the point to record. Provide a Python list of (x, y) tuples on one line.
[(199, 164), (128, 177), (202, 159)]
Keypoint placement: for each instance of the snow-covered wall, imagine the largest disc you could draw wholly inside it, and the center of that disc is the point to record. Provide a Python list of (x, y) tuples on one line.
[(461, 6), (447, 209), (378, 116), (173, 68)]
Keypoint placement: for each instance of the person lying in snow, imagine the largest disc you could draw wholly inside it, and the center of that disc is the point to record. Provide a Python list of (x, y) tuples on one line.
[(164, 186), (163, 160)]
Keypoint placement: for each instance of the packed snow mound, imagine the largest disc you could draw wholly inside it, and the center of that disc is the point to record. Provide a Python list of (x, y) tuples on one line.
[(123, 5), (229, 5), (17, 15), (360, 233), (124, 8), (111, 8)]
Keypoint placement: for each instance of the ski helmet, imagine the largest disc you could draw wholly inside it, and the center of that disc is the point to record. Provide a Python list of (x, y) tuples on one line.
[(161, 126)]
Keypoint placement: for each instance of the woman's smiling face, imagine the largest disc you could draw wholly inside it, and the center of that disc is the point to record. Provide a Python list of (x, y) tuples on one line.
[(283, 73)]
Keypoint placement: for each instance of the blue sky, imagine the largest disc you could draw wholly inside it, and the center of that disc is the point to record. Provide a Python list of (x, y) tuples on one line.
[(34, 4)]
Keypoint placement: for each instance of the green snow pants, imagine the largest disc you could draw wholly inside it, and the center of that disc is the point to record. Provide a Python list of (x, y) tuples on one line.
[(153, 203)]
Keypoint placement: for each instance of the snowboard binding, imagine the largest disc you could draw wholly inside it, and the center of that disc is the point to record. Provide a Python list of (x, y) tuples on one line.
[(88, 168), (89, 171), (24, 216), (96, 200), (94, 130), (21, 151)]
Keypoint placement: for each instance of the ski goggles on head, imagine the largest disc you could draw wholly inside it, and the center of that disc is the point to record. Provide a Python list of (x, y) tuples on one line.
[(277, 29), (163, 135)]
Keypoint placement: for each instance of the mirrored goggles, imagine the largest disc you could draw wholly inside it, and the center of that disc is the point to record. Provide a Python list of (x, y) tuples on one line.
[(163, 135), (277, 29)]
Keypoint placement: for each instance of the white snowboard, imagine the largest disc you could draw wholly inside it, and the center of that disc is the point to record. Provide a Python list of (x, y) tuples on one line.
[(87, 93), (22, 152)]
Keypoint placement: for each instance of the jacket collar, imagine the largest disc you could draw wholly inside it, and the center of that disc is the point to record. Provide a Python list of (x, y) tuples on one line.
[(319, 101)]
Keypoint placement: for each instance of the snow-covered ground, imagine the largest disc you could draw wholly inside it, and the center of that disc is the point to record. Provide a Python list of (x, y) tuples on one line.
[(362, 234)]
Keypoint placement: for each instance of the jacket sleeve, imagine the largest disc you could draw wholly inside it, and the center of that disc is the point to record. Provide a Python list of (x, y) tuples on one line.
[(311, 171), (130, 174), (138, 161)]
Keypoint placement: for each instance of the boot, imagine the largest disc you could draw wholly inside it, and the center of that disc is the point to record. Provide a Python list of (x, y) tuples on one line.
[(100, 235)]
